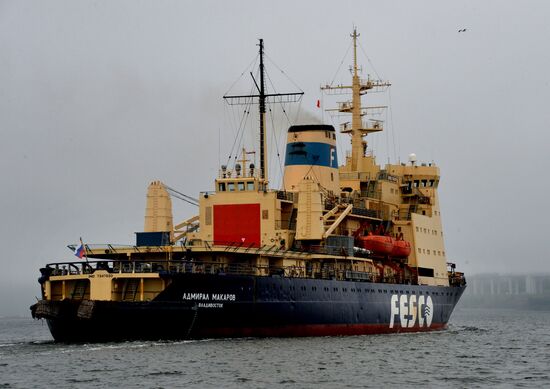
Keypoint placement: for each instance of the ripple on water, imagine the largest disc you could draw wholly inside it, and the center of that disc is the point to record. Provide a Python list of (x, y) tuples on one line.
[(160, 373), (477, 350)]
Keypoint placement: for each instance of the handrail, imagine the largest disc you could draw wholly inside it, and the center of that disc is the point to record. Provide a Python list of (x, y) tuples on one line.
[(166, 267)]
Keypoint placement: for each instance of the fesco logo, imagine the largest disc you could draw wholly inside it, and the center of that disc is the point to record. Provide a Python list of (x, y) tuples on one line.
[(408, 309)]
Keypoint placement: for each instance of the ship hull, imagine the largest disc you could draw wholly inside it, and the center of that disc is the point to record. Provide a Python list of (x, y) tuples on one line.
[(210, 306)]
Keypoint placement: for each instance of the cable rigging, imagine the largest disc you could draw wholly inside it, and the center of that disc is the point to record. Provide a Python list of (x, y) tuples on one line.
[(181, 196)]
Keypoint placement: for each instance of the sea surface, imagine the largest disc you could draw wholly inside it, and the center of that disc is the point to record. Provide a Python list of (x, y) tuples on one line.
[(481, 348)]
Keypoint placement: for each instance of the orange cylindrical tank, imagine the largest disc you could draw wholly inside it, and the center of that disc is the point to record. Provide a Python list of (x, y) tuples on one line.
[(378, 244)]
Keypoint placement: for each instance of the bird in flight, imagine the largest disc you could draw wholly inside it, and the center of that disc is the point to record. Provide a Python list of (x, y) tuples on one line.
[(462, 30)]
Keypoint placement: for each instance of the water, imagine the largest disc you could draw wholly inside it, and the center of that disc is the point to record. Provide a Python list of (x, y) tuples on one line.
[(481, 348)]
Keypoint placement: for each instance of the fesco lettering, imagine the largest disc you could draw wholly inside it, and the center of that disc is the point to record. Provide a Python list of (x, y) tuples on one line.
[(408, 309)]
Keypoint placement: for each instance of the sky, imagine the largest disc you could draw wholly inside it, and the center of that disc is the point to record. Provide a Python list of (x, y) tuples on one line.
[(99, 98)]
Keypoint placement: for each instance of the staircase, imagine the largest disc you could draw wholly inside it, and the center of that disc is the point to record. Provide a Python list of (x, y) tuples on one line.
[(79, 290), (292, 220), (130, 289)]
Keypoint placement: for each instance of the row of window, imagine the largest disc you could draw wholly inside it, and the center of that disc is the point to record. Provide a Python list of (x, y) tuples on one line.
[(238, 186), (427, 231), (353, 290), (423, 183), (429, 252), (330, 135)]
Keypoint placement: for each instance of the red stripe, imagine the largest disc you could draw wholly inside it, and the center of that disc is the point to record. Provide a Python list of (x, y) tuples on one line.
[(312, 330)]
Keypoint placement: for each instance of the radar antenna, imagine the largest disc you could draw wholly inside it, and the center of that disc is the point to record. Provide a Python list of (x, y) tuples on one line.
[(359, 128)]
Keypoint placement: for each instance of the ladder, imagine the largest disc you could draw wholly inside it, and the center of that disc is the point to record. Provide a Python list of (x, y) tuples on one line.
[(130, 289), (79, 290)]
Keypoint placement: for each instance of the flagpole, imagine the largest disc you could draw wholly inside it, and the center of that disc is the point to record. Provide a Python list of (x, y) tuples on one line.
[(322, 107), (85, 251)]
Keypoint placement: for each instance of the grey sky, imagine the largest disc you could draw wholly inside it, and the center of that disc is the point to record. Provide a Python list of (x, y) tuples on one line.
[(98, 98)]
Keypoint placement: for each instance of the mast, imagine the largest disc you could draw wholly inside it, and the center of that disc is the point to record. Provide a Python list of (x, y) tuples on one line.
[(263, 139), (263, 98), (356, 133), (359, 128)]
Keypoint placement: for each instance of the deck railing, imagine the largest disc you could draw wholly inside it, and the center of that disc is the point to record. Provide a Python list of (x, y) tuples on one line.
[(327, 271)]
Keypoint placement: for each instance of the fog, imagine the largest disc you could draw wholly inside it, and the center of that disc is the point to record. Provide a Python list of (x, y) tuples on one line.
[(99, 98)]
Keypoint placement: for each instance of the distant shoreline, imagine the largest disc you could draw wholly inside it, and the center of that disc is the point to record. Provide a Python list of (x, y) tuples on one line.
[(540, 302)]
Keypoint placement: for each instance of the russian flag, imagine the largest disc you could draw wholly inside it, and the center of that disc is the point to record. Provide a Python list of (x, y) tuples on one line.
[(79, 252)]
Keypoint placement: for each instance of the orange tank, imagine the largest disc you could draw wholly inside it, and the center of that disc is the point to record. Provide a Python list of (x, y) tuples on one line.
[(378, 244)]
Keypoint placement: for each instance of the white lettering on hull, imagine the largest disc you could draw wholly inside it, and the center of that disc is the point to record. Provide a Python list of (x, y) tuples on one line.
[(407, 309), (210, 305), (201, 296)]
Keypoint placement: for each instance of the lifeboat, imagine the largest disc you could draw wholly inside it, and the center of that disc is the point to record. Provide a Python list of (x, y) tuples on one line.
[(385, 245), (401, 249), (378, 244)]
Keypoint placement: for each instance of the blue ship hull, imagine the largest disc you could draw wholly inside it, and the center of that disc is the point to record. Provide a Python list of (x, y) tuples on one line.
[(209, 306)]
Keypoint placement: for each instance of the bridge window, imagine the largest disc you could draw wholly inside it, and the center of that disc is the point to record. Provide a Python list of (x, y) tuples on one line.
[(240, 185), (221, 186), (231, 186), (250, 185)]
